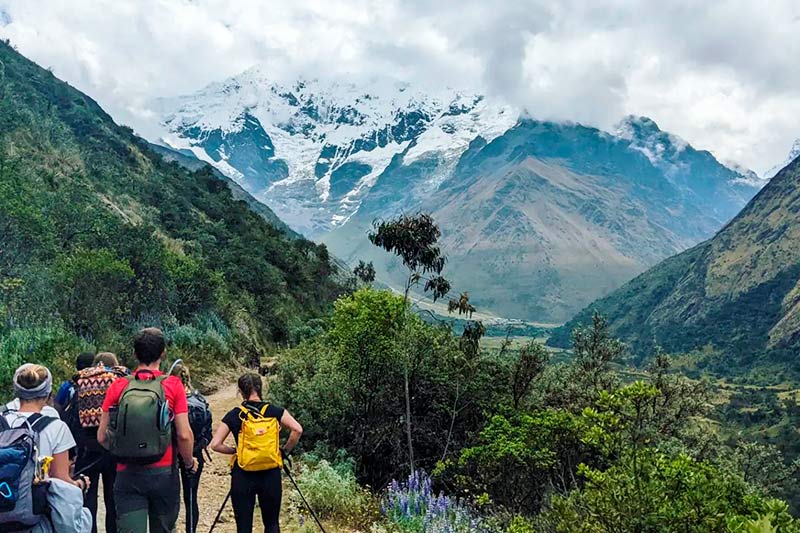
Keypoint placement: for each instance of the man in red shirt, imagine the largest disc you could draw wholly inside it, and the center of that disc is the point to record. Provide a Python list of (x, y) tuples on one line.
[(150, 493)]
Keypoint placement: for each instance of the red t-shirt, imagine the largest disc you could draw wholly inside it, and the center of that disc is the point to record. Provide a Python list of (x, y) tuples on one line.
[(176, 399)]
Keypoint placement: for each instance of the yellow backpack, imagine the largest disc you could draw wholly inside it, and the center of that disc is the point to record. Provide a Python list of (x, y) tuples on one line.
[(258, 446)]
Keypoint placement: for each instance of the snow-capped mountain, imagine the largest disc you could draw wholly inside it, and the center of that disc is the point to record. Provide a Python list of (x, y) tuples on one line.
[(538, 218), (794, 153), (313, 149)]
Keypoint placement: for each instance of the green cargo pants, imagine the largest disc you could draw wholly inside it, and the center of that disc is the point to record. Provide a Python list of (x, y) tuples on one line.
[(147, 495)]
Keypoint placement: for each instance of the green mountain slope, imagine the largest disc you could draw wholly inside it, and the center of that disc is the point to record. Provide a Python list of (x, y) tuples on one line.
[(191, 163), (739, 291), (98, 234)]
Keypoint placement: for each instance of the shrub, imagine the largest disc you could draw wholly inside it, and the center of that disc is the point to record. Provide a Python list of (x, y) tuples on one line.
[(50, 346), (651, 491), (348, 383), (333, 492)]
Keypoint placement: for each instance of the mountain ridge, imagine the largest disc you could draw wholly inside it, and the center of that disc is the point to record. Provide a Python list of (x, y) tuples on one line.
[(739, 291), (353, 153)]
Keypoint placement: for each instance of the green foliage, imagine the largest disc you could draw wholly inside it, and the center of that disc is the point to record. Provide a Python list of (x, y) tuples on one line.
[(91, 287), (98, 234), (651, 491), (50, 346), (520, 524), (538, 451), (348, 384), (332, 491)]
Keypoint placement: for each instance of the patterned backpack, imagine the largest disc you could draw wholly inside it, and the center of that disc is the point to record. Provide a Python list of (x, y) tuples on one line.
[(83, 411)]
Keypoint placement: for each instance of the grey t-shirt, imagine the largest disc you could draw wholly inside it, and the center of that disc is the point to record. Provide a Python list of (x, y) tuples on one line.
[(54, 439), (13, 405)]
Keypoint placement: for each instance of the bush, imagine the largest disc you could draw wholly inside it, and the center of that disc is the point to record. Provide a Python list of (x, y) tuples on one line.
[(49, 346), (332, 491), (658, 493), (347, 386)]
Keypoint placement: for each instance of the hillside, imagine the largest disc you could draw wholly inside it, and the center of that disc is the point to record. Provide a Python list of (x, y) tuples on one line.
[(547, 217), (98, 234), (540, 218), (191, 163), (739, 291)]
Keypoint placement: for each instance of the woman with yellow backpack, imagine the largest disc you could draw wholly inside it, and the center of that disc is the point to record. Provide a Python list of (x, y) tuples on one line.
[(256, 425)]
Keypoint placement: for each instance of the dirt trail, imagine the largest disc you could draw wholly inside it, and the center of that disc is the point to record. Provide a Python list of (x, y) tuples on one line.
[(215, 481)]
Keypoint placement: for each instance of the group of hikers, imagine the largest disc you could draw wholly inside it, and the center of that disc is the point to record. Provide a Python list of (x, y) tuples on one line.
[(145, 433)]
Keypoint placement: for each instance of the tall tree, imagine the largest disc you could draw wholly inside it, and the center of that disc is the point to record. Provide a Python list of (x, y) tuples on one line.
[(414, 239)]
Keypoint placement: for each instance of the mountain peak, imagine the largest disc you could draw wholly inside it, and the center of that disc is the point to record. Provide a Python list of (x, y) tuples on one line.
[(794, 153), (636, 127), (645, 136)]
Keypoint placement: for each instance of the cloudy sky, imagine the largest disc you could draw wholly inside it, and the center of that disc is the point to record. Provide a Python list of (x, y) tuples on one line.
[(722, 74)]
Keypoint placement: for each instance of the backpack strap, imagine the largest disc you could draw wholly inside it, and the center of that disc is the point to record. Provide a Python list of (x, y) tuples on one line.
[(246, 409), (4, 425), (40, 422), (135, 375)]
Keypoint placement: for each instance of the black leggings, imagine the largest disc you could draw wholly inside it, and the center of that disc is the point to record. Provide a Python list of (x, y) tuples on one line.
[(190, 483), (100, 464), (245, 486)]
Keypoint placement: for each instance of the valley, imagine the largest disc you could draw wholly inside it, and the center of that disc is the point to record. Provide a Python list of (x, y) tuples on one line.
[(602, 333)]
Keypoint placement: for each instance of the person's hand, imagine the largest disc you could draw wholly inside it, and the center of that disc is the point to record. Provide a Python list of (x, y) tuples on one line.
[(285, 457), (192, 469), (83, 483)]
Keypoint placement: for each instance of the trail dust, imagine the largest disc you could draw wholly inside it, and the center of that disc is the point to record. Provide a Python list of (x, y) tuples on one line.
[(215, 482)]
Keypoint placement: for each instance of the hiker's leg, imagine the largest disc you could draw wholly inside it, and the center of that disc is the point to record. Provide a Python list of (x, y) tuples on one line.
[(189, 485), (131, 503), (243, 499), (90, 498), (186, 490), (269, 498), (165, 500), (195, 487), (109, 477)]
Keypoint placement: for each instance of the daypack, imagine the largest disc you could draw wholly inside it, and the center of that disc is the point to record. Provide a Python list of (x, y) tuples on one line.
[(67, 512), (258, 444), (23, 496), (82, 413), (200, 421), (140, 428)]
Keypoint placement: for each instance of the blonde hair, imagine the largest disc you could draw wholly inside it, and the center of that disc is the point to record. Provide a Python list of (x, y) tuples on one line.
[(32, 382), (107, 358), (182, 371), (32, 376)]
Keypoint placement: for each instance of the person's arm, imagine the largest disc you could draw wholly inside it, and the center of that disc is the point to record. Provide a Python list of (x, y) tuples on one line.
[(185, 440), (59, 469), (295, 428), (102, 430), (218, 441)]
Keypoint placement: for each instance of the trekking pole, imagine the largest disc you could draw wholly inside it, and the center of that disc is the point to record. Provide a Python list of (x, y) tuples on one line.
[(190, 507), (87, 467), (214, 523), (310, 510)]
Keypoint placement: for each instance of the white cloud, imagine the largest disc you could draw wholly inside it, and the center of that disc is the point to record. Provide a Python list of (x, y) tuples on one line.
[(722, 74)]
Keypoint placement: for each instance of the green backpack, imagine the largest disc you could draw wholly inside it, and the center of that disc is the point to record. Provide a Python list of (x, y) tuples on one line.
[(140, 429)]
